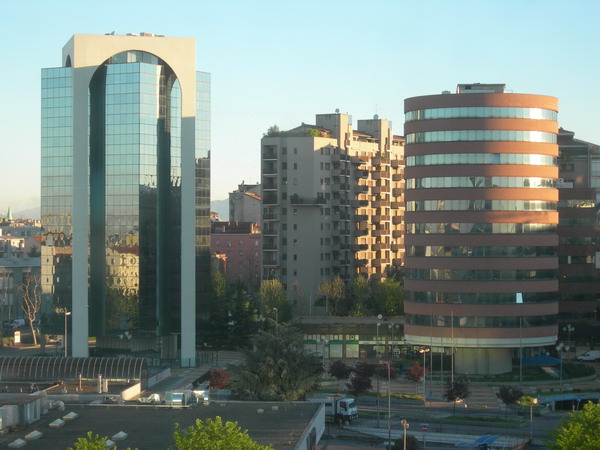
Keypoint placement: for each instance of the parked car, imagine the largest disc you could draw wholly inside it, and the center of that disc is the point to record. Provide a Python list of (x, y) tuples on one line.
[(592, 355), (17, 323)]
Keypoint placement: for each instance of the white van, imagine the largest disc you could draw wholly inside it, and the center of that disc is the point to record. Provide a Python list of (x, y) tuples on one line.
[(592, 355), (17, 323)]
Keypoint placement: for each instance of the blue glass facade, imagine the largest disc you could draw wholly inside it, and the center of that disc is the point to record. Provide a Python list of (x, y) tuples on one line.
[(135, 192), (56, 184)]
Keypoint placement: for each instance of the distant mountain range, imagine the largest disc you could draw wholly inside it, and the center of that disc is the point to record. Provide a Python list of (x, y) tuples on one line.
[(221, 207)]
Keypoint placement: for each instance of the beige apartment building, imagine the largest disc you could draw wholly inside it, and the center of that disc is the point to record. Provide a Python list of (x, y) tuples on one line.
[(333, 204)]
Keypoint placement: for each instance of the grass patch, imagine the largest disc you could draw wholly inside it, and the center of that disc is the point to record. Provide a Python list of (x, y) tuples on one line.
[(486, 419)]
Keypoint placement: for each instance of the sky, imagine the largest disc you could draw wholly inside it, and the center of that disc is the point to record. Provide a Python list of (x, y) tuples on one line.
[(282, 62)]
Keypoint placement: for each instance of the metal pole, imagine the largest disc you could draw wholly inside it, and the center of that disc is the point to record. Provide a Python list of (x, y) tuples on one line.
[(389, 411), (520, 350), (66, 353), (424, 377)]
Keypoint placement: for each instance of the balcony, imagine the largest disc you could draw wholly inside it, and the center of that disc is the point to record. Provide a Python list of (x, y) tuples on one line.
[(269, 168), (359, 203), (396, 163), (297, 200), (269, 230), (359, 159), (380, 160), (397, 177), (361, 232), (269, 152), (359, 247), (361, 174), (270, 216), (397, 192), (269, 184), (270, 199), (269, 246), (380, 203), (396, 247), (268, 261), (380, 189)]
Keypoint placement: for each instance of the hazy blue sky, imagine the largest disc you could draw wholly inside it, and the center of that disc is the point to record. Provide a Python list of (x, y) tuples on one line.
[(282, 62)]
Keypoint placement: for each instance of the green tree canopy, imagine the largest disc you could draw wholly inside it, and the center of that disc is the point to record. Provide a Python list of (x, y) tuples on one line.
[(334, 294), (389, 297), (214, 435), (272, 295), (455, 391), (578, 431), (278, 369), (90, 442), (361, 294)]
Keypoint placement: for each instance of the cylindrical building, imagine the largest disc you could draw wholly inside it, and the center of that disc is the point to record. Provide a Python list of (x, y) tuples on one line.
[(481, 242)]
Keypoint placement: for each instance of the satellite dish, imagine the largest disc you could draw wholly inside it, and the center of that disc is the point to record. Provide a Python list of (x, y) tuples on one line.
[(376, 116), (337, 110)]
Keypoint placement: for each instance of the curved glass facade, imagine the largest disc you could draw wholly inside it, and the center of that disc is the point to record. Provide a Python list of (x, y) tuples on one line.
[(480, 322), (479, 182), (472, 112), (479, 228), (480, 275), (480, 205), (467, 251), (480, 135), (480, 158), (486, 298)]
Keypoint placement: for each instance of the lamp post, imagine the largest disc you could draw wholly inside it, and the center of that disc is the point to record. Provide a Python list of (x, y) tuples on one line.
[(276, 315), (387, 363), (405, 426), (392, 327), (379, 317), (324, 341), (67, 313), (560, 348), (424, 351), (533, 402), (568, 328)]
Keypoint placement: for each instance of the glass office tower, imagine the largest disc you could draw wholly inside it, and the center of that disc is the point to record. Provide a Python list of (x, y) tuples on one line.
[(125, 190)]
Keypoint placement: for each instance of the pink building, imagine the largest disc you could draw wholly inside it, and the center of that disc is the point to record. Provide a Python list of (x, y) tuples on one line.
[(238, 245)]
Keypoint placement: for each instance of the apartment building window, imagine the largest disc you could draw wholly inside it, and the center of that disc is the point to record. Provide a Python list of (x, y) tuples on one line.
[(284, 166), (295, 166), (241, 253), (295, 241), (284, 150), (295, 273), (295, 211), (327, 166), (295, 226), (295, 151), (217, 242), (295, 257), (295, 180)]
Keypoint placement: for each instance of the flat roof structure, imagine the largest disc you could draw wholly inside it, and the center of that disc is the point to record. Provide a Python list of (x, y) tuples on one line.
[(282, 425)]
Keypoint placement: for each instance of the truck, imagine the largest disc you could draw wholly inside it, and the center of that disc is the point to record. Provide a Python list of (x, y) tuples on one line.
[(592, 355), (338, 408)]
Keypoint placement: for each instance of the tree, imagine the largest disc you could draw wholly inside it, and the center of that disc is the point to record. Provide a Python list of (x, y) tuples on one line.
[(90, 442), (579, 430), (272, 295), (455, 391), (278, 369), (361, 293), (509, 395), (339, 370), (272, 131), (412, 443), (214, 435), (389, 297), (382, 371), (360, 381), (31, 300), (218, 379), (334, 292), (415, 373)]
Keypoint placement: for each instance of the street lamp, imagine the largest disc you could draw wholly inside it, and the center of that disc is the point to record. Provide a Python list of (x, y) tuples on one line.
[(568, 328), (389, 405), (67, 313), (405, 425), (276, 315), (379, 317), (392, 327), (424, 351), (324, 341), (560, 348)]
